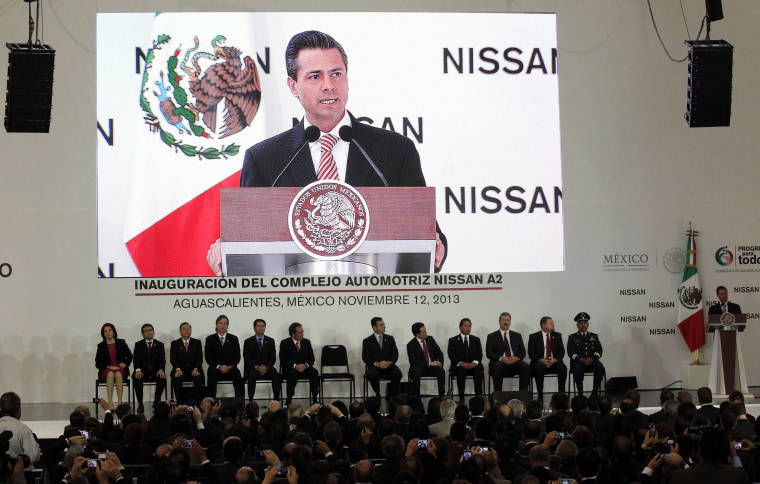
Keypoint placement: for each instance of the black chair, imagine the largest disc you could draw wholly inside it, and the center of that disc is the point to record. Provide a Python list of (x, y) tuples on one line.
[(514, 377), (571, 390), (102, 383), (151, 381), (268, 381), (365, 388), (424, 378), (452, 388), (335, 356)]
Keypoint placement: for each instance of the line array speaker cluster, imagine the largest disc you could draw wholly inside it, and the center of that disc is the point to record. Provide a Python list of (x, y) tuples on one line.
[(29, 98), (710, 75)]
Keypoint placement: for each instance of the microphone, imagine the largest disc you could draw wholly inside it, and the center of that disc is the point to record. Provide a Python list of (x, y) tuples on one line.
[(346, 134), (311, 134)]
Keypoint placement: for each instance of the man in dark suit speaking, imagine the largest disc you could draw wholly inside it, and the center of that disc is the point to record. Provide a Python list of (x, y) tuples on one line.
[(723, 306), (380, 354), (340, 148), (149, 362)]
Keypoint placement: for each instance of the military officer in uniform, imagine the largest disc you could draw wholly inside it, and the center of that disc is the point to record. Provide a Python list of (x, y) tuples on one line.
[(585, 350)]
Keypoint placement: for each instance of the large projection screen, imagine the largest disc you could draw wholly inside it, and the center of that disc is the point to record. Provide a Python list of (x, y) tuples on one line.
[(476, 93)]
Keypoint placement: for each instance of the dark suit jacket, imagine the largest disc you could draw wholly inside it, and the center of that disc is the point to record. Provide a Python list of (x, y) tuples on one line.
[(536, 346), (495, 345), (290, 356), (186, 361), (153, 362), (217, 355), (457, 352), (394, 155), (371, 352), (710, 411), (732, 308), (417, 357), (255, 355), (578, 347), (103, 359)]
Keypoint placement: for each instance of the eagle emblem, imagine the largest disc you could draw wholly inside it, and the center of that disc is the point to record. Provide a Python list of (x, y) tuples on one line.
[(193, 97), (328, 219), (690, 297)]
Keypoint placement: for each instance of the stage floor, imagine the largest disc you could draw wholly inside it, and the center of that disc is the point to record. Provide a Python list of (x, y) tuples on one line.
[(47, 420)]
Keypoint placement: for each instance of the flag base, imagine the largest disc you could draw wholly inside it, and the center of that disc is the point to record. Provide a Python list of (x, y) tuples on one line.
[(696, 361)]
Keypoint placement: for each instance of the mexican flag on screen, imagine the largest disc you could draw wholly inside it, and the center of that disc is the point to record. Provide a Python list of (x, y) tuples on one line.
[(690, 308), (199, 93)]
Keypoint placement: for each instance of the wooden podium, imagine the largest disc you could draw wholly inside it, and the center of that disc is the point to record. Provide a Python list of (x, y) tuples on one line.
[(256, 239), (727, 372)]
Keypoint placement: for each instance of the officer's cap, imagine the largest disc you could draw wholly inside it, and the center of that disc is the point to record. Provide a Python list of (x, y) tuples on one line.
[(582, 317)]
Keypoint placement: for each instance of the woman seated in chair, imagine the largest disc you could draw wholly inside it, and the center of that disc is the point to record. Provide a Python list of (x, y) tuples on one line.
[(112, 360)]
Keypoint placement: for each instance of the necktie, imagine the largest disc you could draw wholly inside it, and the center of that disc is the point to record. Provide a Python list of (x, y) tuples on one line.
[(725, 308), (261, 342), (150, 346), (328, 170), (425, 351), (466, 344), (380, 341), (221, 340), (548, 348), (298, 346), (187, 345), (507, 351)]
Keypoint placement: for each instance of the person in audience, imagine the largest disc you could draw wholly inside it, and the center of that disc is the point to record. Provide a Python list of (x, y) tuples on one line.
[(222, 356), (380, 354), (186, 356), (112, 360), (466, 354), (425, 359), (297, 362), (546, 351)]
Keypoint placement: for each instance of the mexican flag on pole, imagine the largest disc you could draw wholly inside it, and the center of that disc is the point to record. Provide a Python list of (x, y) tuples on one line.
[(690, 308)]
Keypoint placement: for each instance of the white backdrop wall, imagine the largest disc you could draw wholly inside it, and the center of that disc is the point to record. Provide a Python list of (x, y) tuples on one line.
[(634, 175)]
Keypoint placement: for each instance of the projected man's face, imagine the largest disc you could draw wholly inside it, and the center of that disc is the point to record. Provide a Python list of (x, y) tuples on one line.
[(322, 86)]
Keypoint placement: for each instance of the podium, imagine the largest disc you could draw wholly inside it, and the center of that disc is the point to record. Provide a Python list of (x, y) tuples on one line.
[(727, 372), (256, 238)]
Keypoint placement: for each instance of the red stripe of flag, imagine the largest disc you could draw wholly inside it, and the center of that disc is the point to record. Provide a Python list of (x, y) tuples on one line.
[(176, 245), (693, 330)]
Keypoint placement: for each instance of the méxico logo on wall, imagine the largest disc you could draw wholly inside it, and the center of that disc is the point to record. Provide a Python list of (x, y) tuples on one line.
[(328, 220), (197, 93)]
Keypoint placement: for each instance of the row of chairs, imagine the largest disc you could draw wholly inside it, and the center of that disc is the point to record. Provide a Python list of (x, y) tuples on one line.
[(336, 356)]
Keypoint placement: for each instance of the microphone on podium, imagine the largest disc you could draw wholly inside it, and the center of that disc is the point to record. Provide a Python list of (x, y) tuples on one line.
[(311, 134), (347, 134)]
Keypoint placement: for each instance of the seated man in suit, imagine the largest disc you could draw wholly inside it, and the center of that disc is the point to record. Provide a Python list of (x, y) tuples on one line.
[(222, 357), (149, 361), (465, 354), (505, 350), (425, 359), (259, 355), (297, 361), (186, 357), (585, 350), (723, 306), (380, 354), (546, 351)]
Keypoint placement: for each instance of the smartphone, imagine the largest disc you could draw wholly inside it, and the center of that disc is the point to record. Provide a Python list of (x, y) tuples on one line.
[(95, 400), (84, 434), (172, 403), (671, 442), (102, 456), (566, 481), (560, 436), (93, 463), (189, 408), (652, 430), (738, 446), (187, 443), (422, 444), (482, 449), (466, 454), (662, 456), (283, 472)]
